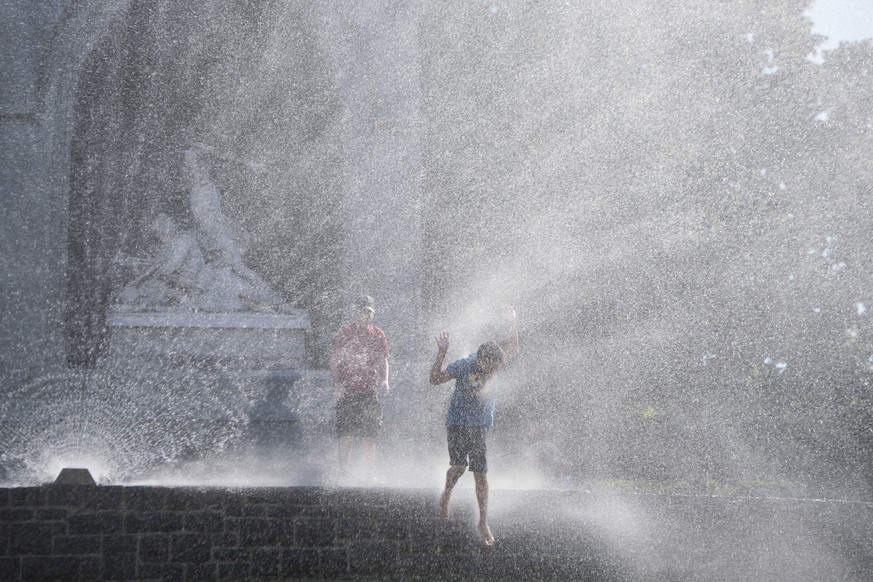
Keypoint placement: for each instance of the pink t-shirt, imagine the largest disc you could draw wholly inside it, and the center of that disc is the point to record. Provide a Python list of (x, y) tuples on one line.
[(358, 351)]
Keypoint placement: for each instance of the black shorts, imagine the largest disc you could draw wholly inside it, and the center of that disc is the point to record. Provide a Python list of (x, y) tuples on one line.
[(358, 415), (468, 442)]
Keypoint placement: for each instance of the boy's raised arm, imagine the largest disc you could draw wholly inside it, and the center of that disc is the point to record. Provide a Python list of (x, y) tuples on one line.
[(509, 345), (437, 374)]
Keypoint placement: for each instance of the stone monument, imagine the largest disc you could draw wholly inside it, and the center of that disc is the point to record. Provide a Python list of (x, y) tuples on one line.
[(76, 377), (197, 303), (199, 329)]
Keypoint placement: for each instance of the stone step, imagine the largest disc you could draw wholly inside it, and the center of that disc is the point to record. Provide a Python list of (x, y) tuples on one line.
[(79, 532)]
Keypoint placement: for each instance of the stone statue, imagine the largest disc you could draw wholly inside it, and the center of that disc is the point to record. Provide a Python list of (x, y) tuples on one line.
[(200, 269)]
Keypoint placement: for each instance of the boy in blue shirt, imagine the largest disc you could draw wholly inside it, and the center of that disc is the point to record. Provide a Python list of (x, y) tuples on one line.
[(470, 415)]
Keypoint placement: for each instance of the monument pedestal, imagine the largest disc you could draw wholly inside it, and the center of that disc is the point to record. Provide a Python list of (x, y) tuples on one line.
[(237, 341), (194, 384)]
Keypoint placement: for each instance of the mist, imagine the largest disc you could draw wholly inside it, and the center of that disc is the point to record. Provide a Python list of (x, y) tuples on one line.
[(675, 199)]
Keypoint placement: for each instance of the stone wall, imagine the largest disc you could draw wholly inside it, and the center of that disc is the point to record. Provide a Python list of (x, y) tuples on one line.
[(140, 533), (149, 533)]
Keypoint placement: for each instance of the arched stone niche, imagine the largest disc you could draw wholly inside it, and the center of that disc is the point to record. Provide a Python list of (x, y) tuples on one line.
[(251, 81)]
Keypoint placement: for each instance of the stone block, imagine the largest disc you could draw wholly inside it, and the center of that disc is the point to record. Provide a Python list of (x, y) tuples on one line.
[(358, 498), (453, 544), (16, 514), (233, 570), (30, 497), (118, 567), (50, 514), (266, 562), (5, 530), (317, 533), (229, 554), (159, 521), (333, 562), (89, 568), (49, 568), (142, 498), (96, 523), (370, 558), (224, 539), (442, 538), (284, 511), (389, 529), (425, 565), (356, 512), (320, 512), (349, 529), (206, 571), (265, 532), (184, 499), (120, 545), (190, 548), (104, 498), (204, 521), (59, 528), (210, 498), (245, 510), (411, 508), (299, 562), (68, 496), (77, 545), (157, 571), (154, 547), (10, 568), (30, 538), (307, 496)]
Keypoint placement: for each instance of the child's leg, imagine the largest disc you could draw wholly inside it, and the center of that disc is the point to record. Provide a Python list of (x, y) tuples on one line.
[(452, 475), (368, 452), (482, 499), (344, 451)]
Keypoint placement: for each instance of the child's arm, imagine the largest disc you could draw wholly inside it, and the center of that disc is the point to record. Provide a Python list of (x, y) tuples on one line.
[(437, 374), (509, 345), (334, 373), (382, 373)]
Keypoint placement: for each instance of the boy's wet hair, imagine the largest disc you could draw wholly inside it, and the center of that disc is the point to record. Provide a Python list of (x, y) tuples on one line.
[(490, 351)]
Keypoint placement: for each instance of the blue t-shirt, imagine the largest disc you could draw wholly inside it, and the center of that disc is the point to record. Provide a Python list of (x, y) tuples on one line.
[(474, 396)]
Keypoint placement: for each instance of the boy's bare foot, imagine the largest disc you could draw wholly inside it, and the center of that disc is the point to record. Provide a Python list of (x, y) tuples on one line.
[(485, 532), (443, 506)]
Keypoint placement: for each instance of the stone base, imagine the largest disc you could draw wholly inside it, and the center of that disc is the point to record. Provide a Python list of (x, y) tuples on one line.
[(148, 533), (242, 341), (72, 476)]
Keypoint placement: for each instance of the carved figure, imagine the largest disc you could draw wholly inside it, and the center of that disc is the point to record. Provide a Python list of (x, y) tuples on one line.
[(201, 269)]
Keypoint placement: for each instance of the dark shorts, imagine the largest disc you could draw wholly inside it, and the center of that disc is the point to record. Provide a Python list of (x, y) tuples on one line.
[(358, 415), (468, 442)]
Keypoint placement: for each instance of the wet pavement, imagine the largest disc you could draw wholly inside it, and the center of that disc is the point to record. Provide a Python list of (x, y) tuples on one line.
[(277, 533)]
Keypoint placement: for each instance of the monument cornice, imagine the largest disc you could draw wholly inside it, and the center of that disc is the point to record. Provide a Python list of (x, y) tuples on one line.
[(293, 319)]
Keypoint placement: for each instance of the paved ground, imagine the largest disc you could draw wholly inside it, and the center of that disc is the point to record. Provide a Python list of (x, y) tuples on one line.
[(574, 535), (184, 533)]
